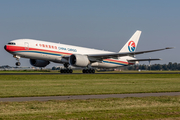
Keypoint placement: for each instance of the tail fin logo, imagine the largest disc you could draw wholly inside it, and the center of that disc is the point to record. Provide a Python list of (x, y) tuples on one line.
[(131, 46)]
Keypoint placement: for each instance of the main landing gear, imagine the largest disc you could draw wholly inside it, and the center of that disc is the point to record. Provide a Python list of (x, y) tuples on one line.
[(88, 71), (66, 69)]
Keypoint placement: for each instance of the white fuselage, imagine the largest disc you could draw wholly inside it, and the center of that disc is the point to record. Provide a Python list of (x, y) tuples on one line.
[(49, 51)]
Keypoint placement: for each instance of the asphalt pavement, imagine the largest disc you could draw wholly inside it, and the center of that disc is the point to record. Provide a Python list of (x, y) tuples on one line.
[(84, 97)]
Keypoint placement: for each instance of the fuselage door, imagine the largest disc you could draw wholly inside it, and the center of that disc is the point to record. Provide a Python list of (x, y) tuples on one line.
[(26, 46)]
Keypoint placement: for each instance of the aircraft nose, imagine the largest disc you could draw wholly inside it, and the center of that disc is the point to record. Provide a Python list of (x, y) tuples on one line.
[(5, 47)]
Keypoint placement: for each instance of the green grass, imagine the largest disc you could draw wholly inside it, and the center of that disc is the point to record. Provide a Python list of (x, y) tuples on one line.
[(83, 84), (167, 108)]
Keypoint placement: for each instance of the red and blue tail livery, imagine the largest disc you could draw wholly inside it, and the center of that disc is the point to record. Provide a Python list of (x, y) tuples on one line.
[(131, 46)]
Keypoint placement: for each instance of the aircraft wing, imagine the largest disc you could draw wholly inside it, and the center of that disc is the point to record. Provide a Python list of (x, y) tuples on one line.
[(115, 55)]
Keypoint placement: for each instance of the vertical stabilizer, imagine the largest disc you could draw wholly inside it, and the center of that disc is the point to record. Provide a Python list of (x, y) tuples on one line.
[(131, 45)]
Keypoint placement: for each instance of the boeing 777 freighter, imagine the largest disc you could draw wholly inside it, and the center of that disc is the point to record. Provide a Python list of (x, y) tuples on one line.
[(41, 53)]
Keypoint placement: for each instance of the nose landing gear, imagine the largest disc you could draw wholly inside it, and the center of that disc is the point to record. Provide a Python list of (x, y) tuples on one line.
[(18, 64), (17, 58)]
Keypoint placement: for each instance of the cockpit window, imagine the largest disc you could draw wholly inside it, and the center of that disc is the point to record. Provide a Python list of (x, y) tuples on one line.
[(11, 43)]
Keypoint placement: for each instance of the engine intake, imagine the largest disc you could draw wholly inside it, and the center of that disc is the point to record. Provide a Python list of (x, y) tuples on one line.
[(79, 60), (39, 63)]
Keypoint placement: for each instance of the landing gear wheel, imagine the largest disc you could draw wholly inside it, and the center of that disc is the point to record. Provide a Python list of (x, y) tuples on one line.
[(88, 71), (70, 71), (84, 71), (93, 71), (61, 71), (18, 63), (66, 71)]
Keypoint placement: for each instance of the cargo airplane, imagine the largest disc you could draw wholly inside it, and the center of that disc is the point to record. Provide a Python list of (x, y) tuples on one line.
[(41, 53)]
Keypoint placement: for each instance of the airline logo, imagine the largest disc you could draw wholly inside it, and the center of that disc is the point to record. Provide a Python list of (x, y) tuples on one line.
[(131, 46)]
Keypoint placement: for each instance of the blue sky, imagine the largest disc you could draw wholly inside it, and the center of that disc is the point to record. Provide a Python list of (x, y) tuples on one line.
[(101, 24)]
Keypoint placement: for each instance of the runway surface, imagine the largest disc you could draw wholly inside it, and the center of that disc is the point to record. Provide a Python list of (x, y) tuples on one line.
[(84, 97), (87, 73)]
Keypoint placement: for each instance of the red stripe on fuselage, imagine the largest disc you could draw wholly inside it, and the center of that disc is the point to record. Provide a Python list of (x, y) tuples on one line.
[(10, 48), (119, 61), (116, 61)]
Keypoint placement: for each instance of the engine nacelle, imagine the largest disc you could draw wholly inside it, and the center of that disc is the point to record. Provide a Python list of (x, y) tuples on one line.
[(39, 63), (79, 60)]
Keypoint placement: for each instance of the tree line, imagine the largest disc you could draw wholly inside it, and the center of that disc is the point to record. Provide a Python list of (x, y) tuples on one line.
[(169, 66)]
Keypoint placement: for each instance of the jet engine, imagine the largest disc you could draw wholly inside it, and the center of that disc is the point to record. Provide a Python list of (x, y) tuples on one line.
[(39, 63), (79, 60)]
